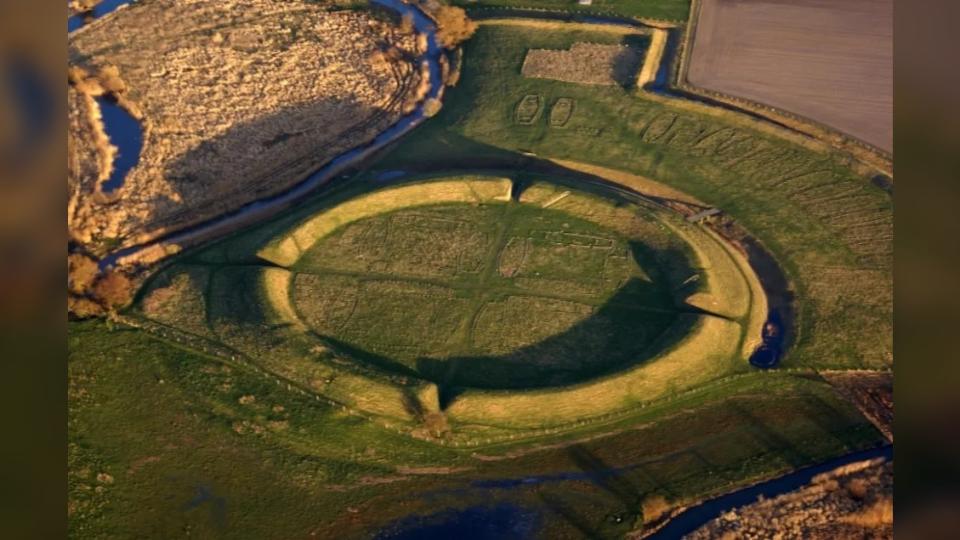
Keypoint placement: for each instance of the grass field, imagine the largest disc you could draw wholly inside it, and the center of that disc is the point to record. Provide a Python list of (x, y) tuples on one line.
[(667, 10), (165, 442), (828, 226), (468, 295), (227, 415), (443, 293)]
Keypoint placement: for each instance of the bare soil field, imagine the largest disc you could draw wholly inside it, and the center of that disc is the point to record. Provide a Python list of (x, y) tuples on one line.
[(831, 62), (238, 100)]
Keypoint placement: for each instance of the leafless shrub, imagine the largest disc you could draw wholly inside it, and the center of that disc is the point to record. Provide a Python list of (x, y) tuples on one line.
[(879, 514), (114, 289), (81, 272), (110, 79), (453, 26), (83, 82), (431, 107), (456, 64), (82, 307), (857, 488), (406, 23)]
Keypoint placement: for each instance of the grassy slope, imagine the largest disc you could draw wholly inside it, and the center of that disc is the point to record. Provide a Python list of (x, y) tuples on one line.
[(829, 228), (671, 10), (692, 351), (426, 262), (187, 450)]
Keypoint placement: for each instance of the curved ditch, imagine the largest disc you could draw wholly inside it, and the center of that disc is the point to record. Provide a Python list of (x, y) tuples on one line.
[(777, 333)]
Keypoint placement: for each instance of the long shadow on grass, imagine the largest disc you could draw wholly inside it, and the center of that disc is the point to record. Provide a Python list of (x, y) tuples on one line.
[(599, 470), (444, 150), (615, 336), (608, 478), (638, 322), (788, 450)]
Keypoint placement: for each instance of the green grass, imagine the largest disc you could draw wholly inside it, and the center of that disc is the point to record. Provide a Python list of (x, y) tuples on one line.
[(163, 423), (465, 295), (829, 228), (395, 303), (166, 441), (670, 10), (170, 427)]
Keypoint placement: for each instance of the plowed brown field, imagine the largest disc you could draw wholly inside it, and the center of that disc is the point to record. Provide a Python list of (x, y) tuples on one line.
[(829, 61)]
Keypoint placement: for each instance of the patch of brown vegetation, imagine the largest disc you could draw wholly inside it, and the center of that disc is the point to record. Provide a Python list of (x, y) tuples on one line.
[(113, 289), (239, 100), (878, 515), (89, 152), (854, 501), (871, 392), (80, 6), (654, 508), (81, 272), (453, 26), (584, 63), (91, 292)]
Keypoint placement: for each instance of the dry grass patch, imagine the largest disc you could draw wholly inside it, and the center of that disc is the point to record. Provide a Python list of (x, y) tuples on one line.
[(878, 515), (584, 63), (654, 508), (238, 100), (853, 501)]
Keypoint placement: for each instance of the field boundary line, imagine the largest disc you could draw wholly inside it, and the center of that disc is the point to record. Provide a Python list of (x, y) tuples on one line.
[(834, 138)]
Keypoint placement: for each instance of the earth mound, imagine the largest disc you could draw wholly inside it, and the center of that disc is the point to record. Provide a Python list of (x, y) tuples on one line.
[(525, 303)]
